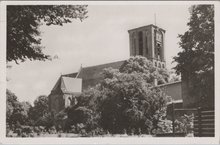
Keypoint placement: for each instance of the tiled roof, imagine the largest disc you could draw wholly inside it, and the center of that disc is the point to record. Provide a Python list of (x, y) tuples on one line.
[(92, 75), (89, 76), (93, 72)]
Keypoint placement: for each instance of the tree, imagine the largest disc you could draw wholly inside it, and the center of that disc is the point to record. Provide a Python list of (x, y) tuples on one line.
[(11, 102), (85, 111), (196, 60), (130, 98), (40, 109), (16, 112), (23, 23), (142, 65), (126, 98)]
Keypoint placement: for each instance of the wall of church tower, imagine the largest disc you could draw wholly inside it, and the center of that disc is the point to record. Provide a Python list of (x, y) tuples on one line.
[(148, 41)]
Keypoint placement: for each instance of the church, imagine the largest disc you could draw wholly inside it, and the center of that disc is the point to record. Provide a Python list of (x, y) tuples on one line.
[(147, 41)]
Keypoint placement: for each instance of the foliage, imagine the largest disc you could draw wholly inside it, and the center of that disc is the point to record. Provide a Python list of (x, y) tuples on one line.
[(145, 67), (184, 124), (23, 23), (47, 120), (40, 115), (40, 108), (165, 126), (173, 77), (124, 101), (11, 102), (23, 120), (196, 60), (79, 114), (129, 99), (16, 112), (82, 114)]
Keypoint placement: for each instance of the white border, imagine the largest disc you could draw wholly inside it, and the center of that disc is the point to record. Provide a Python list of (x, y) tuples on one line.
[(104, 140)]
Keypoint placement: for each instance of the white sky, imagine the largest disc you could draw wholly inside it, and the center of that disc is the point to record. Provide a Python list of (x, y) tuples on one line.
[(101, 38)]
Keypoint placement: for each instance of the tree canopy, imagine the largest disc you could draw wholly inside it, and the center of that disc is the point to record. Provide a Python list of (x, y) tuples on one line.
[(126, 99), (23, 35), (131, 99), (196, 60), (40, 108), (16, 112)]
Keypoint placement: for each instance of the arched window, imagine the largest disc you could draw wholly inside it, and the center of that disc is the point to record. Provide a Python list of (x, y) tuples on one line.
[(158, 50)]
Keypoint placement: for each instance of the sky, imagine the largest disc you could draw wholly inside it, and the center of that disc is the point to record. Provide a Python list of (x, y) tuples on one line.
[(101, 38)]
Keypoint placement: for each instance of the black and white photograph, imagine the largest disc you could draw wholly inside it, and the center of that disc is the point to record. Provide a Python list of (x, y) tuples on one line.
[(85, 70)]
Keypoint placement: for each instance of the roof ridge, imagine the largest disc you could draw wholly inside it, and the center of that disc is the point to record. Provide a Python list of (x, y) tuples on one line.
[(103, 64), (68, 75)]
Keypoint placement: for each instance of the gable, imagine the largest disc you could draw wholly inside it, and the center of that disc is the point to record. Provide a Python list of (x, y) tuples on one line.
[(57, 85), (71, 85)]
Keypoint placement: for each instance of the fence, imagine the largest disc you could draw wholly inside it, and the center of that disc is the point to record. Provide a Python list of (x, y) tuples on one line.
[(204, 123)]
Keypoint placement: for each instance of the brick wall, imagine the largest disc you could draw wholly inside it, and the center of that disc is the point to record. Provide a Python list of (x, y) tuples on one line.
[(173, 89)]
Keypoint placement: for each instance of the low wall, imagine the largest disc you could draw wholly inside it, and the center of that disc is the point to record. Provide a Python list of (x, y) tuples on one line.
[(173, 89)]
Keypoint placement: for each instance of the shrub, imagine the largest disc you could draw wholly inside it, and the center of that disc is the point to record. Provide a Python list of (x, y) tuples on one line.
[(165, 126), (184, 124)]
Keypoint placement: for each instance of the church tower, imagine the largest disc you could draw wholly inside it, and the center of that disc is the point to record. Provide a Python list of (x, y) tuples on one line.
[(148, 41)]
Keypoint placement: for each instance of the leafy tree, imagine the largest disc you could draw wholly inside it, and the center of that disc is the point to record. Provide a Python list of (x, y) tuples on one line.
[(196, 60), (10, 104), (174, 77), (47, 120), (79, 114), (142, 65), (130, 98), (85, 111), (40, 109), (23, 23), (16, 112), (126, 99)]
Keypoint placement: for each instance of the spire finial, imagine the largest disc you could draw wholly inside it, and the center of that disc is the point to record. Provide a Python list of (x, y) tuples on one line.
[(79, 71)]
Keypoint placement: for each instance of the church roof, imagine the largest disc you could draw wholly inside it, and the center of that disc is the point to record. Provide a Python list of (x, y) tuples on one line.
[(95, 71), (72, 75), (92, 72), (90, 75)]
